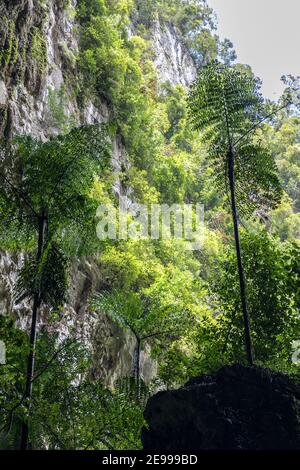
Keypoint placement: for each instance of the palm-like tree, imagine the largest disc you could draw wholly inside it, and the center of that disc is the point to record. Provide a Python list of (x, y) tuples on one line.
[(46, 208), (225, 104), (146, 322)]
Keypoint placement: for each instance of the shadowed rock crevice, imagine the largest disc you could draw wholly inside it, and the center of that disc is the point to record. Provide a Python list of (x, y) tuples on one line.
[(237, 408)]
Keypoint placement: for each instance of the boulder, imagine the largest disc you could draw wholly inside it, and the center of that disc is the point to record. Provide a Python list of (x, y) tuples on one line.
[(238, 407)]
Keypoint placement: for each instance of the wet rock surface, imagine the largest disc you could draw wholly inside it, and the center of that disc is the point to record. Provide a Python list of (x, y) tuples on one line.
[(239, 407)]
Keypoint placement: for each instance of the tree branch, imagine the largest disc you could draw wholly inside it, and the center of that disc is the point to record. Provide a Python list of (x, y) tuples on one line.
[(52, 359)]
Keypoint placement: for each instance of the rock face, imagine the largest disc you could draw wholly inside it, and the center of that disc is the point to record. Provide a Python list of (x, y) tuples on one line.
[(237, 408), (171, 58), (35, 75)]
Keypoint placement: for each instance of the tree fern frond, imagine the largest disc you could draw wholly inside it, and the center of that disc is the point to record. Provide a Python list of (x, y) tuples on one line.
[(220, 96), (125, 309), (48, 277)]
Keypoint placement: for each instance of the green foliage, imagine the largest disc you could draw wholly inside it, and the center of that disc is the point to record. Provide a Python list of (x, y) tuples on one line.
[(75, 412), (283, 140), (12, 380), (285, 222), (103, 60), (272, 271), (121, 68), (159, 290), (38, 50), (273, 296), (257, 184), (186, 305), (96, 64), (58, 117), (71, 411), (8, 54)]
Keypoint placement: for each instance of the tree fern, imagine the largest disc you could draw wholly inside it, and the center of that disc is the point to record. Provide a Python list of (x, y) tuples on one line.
[(48, 277), (226, 106), (44, 193)]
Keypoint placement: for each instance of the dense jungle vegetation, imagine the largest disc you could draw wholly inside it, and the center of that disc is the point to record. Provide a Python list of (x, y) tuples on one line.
[(185, 305)]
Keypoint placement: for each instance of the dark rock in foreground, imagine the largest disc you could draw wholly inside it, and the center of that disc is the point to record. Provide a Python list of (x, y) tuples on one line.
[(237, 408)]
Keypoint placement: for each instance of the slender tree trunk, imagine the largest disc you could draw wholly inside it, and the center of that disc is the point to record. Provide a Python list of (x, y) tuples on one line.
[(248, 341), (137, 360), (33, 330)]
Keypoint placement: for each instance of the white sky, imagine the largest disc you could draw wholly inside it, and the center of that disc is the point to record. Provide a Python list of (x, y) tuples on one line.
[(265, 34)]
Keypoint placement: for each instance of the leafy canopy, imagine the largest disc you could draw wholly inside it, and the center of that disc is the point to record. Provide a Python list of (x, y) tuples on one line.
[(272, 271)]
